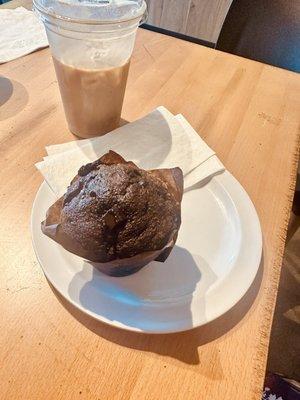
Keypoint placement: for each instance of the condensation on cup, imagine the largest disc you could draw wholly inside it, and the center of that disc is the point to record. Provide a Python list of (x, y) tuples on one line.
[(91, 44)]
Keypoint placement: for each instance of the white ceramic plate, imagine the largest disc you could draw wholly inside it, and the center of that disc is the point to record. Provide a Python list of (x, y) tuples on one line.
[(215, 260)]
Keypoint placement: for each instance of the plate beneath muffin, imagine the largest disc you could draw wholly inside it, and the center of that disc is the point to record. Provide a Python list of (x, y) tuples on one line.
[(214, 262)]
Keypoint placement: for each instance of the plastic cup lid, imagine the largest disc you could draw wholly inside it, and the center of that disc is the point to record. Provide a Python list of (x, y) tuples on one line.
[(92, 11)]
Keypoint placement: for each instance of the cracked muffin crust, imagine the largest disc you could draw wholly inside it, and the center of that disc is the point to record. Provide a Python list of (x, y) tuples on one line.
[(114, 210)]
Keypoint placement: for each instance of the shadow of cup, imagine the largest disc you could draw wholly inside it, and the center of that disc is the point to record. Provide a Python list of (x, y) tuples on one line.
[(13, 98), (155, 126)]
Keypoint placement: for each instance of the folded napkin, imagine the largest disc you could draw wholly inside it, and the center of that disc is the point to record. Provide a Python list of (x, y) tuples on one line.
[(158, 140), (21, 33)]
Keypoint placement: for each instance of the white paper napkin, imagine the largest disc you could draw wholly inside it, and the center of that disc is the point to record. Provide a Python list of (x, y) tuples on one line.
[(159, 140), (21, 33)]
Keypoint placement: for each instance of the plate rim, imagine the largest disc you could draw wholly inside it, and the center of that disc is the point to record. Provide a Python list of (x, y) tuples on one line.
[(235, 185)]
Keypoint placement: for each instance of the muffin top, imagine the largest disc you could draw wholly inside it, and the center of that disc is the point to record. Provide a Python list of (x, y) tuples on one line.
[(115, 211)]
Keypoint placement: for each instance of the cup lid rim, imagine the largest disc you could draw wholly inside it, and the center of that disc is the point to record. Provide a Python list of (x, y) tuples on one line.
[(40, 8)]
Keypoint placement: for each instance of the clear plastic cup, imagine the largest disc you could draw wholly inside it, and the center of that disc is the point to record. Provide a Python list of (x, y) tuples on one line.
[(91, 43)]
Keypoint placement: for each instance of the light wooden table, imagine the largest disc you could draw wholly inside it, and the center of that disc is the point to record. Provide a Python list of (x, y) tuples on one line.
[(249, 113)]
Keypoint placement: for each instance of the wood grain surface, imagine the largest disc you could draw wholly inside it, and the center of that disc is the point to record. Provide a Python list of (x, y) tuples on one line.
[(249, 113), (202, 19)]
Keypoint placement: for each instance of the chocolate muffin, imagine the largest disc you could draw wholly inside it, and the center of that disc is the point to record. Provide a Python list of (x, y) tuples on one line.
[(118, 215)]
